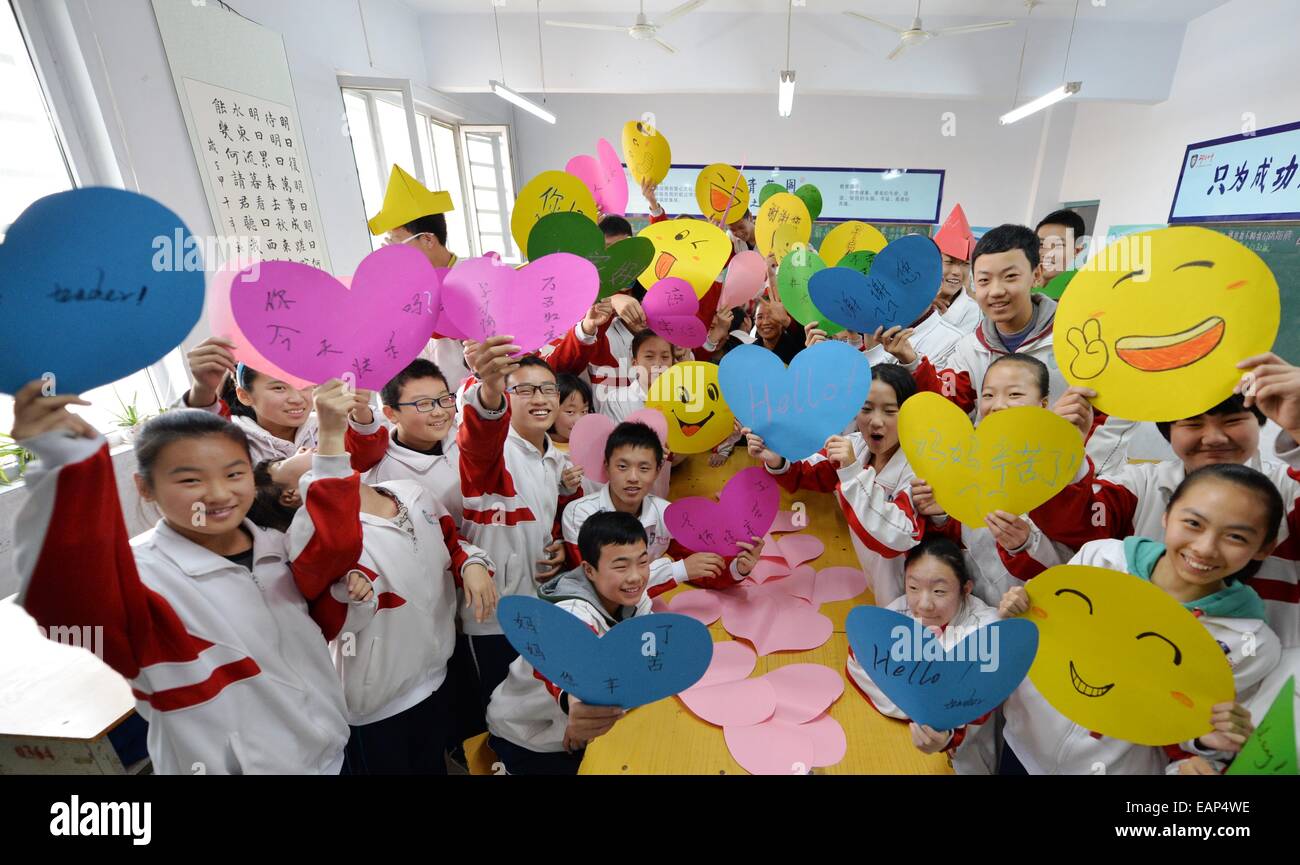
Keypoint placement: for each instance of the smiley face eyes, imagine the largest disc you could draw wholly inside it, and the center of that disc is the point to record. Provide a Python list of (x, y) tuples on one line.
[(1079, 594), (1206, 264), (1178, 653), (713, 392), (1129, 275), (682, 235)]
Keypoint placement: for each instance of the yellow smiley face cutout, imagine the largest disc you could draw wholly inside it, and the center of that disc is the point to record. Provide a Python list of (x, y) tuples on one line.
[(646, 151), (721, 190), (691, 249), (1122, 658), (782, 222), (690, 398), (1158, 321)]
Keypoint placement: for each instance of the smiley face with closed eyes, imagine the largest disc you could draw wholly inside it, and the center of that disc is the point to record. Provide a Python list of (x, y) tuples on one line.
[(1120, 657), (1157, 322)]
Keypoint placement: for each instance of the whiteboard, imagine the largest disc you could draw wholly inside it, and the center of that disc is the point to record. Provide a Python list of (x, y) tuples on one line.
[(233, 84)]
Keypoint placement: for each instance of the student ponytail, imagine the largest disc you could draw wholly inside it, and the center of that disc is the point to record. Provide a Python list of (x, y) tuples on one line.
[(246, 376)]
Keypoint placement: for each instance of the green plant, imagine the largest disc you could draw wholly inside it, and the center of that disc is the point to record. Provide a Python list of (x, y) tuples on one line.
[(10, 449), (130, 416)]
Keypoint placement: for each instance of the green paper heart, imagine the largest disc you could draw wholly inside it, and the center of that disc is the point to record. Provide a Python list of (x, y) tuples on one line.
[(797, 268), (768, 190), (859, 261), (812, 197), (1056, 286), (618, 265)]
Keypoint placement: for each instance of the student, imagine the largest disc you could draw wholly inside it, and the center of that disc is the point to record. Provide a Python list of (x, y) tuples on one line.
[(937, 594), (422, 445), (633, 459), (771, 326), (514, 482), (394, 659), (536, 728), (956, 242), (1220, 525), (871, 477), (204, 618), (615, 228), (1013, 380), (1062, 237), (575, 404), (1132, 500), (742, 232)]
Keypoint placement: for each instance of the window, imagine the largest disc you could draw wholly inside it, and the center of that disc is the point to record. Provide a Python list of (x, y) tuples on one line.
[(381, 137), (33, 164)]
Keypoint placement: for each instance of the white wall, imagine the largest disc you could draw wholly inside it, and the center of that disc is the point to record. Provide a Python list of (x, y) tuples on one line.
[(990, 168), (1238, 58)]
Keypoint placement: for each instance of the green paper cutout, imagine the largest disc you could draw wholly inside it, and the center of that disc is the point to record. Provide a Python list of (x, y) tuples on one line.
[(860, 261), (618, 265), (1270, 750), (768, 190), (812, 197), (797, 268), (1056, 286)]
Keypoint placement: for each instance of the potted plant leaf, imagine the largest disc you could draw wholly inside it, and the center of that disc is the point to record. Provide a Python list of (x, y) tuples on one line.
[(10, 449)]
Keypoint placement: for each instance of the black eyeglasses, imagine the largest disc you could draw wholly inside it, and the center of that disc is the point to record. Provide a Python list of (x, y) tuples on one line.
[(426, 405), (527, 390)]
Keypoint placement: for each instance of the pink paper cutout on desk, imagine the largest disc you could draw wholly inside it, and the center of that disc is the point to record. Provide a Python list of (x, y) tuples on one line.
[(767, 569), (732, 704), (535, 304), (800, 583), (699, 604), (308, 324), (771, 748), (829, 742), (589, 434), (784, 522), (838, 584), (804, 691), (745, 510), (794, 550), (671, 309), (776, 623), (746, 278), (659, 605), (732, 661)]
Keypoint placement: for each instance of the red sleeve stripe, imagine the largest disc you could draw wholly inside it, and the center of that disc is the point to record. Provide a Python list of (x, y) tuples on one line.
[(502, 517), (863, 535), (367, 451), (451, 538), (329, 614), (335, 546), (482, 454), (1275, 590), (173, 699), (550, 686), (390, 601)]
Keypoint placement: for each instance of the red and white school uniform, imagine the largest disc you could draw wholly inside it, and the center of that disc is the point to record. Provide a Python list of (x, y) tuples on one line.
[(262, 445), (877, 505), (513, 496), (964, 313), (526, 708), (973, 746), (1132, 501), (994, 569), (225, 664), (606, 359), (397, 646), (380, 457), (1048, 743)]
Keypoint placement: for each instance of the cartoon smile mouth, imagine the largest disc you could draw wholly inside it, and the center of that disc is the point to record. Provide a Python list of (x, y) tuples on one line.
[(1172, 351), (664, 263), (720, 199), (690, 429), (1084, 688)]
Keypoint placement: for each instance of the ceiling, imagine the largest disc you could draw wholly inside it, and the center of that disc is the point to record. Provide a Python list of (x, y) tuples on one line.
[(1122, 50)]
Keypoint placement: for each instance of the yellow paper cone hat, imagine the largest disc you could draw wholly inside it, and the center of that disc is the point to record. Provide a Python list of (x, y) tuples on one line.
[(406, 200)]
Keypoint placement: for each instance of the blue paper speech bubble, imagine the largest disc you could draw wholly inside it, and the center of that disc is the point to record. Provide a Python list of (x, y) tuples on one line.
[(795, 410), (934, 687), (904, 280), (94, 286), (638, 661)]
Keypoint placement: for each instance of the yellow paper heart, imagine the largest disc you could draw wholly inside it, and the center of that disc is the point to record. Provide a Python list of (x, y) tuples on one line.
[(1120, 657), (647, 152), (691, 249), (1016, 460), (782, 222), (547, 193), (849, 237)]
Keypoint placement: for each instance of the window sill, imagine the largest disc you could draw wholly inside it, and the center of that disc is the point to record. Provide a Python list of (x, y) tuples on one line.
[(115, 446)]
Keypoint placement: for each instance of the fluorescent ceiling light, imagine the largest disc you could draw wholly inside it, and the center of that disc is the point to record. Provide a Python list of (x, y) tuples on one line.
[(1067, 89), (522, 101), (785, 96)]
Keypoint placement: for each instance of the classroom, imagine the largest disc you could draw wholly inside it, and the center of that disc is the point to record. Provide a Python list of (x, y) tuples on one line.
[(641, 387)]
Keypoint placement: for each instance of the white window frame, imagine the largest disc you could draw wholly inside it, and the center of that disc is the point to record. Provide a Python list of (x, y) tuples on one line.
[(504, 202)]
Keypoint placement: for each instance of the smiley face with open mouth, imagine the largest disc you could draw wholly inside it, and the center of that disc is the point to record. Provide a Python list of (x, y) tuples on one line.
[(719, 190), (1157, 322), (690, 398), (1119, 656), (691, 249)]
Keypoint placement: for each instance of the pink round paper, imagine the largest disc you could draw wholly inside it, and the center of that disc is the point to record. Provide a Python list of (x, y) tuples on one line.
[(671, 309), (800, 583), (746, 277), (804, 691), (732, 661), (771, 748), (829, 742), (794, 550), (838, 584), (784, 522), (769, 569), (700, 604), (732, 704), (221, 320), (776, 623), (587, 445)]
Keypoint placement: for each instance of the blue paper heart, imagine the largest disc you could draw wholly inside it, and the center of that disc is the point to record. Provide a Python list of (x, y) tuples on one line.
[(904, 280), (81, 294), (795, 410), (638, 661), (941, 689)]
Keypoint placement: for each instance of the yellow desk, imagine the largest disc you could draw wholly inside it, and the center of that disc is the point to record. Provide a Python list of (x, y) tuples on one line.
[(664, 738)]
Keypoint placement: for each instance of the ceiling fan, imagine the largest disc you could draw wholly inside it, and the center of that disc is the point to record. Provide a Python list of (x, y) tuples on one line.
[(644, 29), (916, 34)]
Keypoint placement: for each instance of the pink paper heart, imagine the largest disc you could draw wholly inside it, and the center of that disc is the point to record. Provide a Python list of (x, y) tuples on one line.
[(804, 691), (670, 311), (221, 320), (604, 176), (588, 437), (799, 583), (743, 511), (794, 550), (784, 522), (771, 748), (700, 605), (535, 304), (306, 323), (746, 277), (776, 623), (732, 661), (659, 605), (829, 742), (768, 569), (732, 704), (838, 584)]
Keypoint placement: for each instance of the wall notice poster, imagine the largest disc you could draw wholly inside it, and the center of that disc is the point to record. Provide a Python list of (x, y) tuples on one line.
[(232, 78), (1241, 178)]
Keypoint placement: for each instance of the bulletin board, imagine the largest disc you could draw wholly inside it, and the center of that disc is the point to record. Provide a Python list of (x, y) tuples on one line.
[(1278, 243), (232, 80)]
